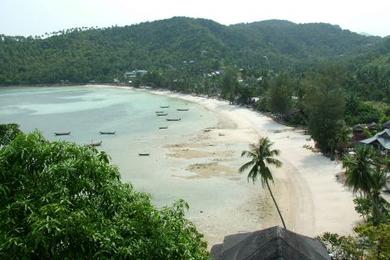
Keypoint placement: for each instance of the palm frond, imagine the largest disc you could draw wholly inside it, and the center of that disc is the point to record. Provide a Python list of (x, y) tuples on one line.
[(274, 152), (274, 162), (253, 174), (245, 166), (248, 154)]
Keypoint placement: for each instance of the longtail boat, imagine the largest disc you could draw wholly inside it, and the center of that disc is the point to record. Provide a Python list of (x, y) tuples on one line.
[(62, 133), (107, 132), (94, 144)]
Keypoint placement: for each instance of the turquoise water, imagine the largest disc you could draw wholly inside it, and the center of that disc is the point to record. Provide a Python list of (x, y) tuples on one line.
[(87, 110), (218, 204)]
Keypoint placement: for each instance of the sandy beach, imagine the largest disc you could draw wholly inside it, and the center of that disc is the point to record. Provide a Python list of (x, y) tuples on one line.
[(196, 159), (311, 199)]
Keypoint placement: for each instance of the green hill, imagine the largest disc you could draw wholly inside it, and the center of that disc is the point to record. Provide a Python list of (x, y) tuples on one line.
[(178, 45)]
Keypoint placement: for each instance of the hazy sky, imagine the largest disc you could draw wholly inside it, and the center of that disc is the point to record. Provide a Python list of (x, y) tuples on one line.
[(35, 17)]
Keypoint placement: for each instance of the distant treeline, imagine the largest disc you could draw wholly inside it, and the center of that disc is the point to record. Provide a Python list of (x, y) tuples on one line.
[(186, 50), (301, 73)]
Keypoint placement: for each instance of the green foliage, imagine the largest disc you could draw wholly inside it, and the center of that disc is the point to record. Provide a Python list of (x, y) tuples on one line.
[(368, 209), (341, 247), (229, 85), (376, 240), (367, 173), (176, 46), (359, 169), (61, 200), (358, 112), (8, 132), (324, 106), (261, 156), (370, 242), (363, 206), (279, 93)]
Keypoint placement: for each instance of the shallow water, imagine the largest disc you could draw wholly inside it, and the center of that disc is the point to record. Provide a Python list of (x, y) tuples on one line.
[(219, 204), (131, 113)]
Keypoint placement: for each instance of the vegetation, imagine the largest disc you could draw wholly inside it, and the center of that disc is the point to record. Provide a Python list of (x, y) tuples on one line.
[(8, 132), (61, 200), (324, 105), (286, 66), (262, 155), (366, 173), (280, 95), (183, 49)]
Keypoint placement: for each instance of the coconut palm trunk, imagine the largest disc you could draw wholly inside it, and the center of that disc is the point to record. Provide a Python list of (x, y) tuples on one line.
[(276, 204), (261, 156)]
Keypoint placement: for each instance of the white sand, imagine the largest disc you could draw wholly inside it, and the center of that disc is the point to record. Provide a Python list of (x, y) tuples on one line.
[(311, 199)]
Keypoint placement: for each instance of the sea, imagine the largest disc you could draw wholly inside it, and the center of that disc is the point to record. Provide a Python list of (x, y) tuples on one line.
[(131, 113), (219, 204)]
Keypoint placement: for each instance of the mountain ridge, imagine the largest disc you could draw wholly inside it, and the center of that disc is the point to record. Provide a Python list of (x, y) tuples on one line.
[(101, 54)]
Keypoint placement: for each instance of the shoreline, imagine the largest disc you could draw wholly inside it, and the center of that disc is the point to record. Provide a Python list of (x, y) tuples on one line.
[(309, 195), (306, 189)]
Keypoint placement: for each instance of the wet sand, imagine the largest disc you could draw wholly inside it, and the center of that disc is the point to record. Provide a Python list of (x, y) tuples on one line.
[(310, 198)]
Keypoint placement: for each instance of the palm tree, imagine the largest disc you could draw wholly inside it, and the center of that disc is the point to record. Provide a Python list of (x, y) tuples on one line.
[(261, 156), (368, 174), (379, 180), (359, 170)]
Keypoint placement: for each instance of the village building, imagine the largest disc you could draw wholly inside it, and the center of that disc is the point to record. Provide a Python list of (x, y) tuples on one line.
[(134, 73), (380, 141)]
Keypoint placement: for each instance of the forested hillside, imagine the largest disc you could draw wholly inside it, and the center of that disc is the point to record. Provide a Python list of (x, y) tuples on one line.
[(174, 46)]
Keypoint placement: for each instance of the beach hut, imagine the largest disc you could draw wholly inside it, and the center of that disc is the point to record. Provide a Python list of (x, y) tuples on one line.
[(380, 141), (386, 125), (272, 243)]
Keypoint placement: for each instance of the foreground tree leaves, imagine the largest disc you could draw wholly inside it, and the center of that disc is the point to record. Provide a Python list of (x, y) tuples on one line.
[(61, 200)]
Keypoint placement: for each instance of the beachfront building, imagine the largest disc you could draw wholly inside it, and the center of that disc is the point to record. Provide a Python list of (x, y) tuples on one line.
[(380, 141), (134, 73)]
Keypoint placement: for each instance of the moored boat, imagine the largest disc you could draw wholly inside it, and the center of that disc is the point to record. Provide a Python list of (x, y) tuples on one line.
[(143, 154), (162, 114), (94, 144), (163, 127), (62, 133), (182, 109), (164, 106), (107, 132), (173, 119)]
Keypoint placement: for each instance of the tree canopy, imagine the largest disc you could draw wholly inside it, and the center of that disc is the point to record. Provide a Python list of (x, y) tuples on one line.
[(61, 200)]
